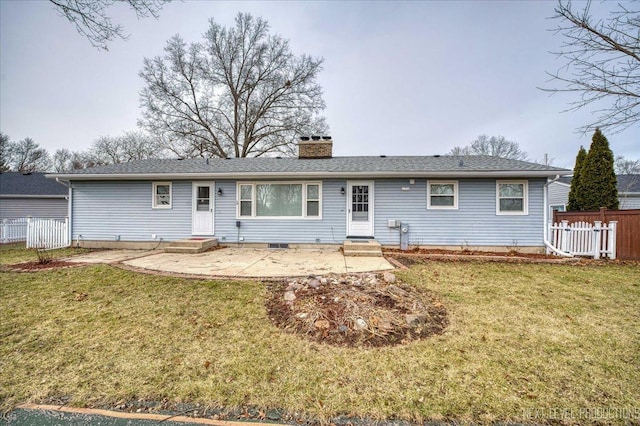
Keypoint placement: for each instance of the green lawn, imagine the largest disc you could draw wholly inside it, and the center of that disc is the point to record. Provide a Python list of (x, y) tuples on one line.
[(524, 342)]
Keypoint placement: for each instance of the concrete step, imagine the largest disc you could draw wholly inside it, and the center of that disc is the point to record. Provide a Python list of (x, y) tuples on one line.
[(184, 250), (362, 248), (363, 253), (191, 245)]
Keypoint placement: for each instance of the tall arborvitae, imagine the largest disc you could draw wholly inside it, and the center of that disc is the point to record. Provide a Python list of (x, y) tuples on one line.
[(574, 192), (598, 179)]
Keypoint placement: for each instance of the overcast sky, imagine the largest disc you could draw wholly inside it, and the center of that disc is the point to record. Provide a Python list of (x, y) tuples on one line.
[(399, 78)]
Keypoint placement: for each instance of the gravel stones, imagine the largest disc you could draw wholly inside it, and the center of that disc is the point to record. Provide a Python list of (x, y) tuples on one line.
[(360, 309)]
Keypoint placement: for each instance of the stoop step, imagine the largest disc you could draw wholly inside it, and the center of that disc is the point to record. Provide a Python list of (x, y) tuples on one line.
[(362, 248), (191, 245)]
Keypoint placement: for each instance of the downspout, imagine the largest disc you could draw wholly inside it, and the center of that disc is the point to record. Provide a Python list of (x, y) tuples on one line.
[(69, 208), (546, 220)]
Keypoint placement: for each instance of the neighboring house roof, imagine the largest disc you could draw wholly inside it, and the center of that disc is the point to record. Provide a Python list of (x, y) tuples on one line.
[(626, 184), (365, 167), (629, 184), (565, 179), (30, 185)]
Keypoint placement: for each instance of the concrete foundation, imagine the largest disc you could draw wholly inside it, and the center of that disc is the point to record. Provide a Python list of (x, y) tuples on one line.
[(151, 245)]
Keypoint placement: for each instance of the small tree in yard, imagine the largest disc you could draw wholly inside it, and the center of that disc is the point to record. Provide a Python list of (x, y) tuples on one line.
[(598, 179), (574, 192)]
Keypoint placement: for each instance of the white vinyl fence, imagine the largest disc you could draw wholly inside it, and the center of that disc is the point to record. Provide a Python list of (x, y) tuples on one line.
[(47, 234), (13, 230), (596, 239)]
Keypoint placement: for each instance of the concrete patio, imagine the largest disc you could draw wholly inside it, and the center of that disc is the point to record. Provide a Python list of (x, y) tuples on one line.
[(241, 262)]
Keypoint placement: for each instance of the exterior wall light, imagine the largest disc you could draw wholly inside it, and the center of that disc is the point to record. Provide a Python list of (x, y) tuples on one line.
[(220, 191)]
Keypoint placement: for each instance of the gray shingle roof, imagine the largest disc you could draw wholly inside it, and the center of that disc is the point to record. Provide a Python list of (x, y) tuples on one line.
[(336, 166), (31, 184), (626, 183)]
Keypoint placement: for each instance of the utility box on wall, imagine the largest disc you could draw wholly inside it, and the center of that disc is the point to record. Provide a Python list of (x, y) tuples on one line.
[(404, 236)]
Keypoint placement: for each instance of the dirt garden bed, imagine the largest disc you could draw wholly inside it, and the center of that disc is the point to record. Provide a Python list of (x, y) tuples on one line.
[(39, 266), (356, 310)]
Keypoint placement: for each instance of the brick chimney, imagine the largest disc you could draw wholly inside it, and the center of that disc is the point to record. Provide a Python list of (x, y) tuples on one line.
[(315, 147)]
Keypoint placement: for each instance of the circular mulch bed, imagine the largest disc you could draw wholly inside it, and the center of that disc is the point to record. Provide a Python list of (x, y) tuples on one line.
[(355, 310)]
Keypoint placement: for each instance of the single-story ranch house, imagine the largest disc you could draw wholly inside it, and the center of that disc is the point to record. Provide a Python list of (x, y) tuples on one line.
[(444, 201), (31, 195), (628, 192)]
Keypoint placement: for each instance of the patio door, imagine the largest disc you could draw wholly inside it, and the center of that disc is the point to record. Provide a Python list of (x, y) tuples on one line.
[(202, 217), (360, 208)]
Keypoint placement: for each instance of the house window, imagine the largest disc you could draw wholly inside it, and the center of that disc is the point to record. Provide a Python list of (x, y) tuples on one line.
[(246, 201), (313, 200), (442, 195), (162, 195), (511, 197), (280, 199), (556, 208)]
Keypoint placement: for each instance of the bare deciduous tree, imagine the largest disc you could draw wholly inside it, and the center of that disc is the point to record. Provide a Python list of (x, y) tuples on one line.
[(91, 19), (27, 156), (131, 146), (626, 166), (5, 161), (62, 160), (498, 146), (601, 64), (239, 93)]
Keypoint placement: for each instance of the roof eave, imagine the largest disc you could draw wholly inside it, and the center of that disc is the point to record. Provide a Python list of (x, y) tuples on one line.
[(314, 175)]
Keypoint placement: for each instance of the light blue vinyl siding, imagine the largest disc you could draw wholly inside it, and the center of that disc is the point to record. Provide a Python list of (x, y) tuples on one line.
[(328, 230), (558, 194), (474, 223), (103, 210)]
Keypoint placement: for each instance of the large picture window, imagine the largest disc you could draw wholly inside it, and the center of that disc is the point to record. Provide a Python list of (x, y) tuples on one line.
[(442, 195), (512, 197), (161, 195), (280, 199)]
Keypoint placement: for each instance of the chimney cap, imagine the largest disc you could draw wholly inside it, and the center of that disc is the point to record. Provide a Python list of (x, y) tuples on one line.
[(315, 138), (304, 138)]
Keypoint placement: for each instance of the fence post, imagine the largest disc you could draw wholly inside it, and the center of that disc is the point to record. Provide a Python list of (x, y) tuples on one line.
[(29, 232), (612, 238), (5, 231), (67, 242), (596, 239), (564, 235)]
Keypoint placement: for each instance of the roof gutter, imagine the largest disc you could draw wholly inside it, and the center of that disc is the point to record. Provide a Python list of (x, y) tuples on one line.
[(307, 175), (69, 207), (546, 220)]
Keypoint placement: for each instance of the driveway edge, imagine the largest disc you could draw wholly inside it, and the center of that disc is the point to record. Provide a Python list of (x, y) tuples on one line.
[(138, 416)]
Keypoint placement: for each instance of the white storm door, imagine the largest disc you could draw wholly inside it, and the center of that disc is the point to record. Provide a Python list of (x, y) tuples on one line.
[(359, 209), (202, 217)]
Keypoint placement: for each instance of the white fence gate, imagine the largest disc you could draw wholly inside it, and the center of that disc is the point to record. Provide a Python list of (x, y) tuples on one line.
[(596, 239), (13, 230), (47, 234)]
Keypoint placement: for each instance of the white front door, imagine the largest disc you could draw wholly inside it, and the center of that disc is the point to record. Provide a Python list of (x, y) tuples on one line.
[(359, 208), (202, 218)]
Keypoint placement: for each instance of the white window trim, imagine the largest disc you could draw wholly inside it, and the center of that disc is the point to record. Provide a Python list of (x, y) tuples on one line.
[(304, 200), (525, 202), (154, 196), (442, 182)]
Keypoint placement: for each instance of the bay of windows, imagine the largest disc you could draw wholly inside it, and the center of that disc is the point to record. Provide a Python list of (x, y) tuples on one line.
[(280, 199)]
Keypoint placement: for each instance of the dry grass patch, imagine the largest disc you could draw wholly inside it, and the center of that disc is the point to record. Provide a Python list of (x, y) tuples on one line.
[(521, 338), (17, 253)]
